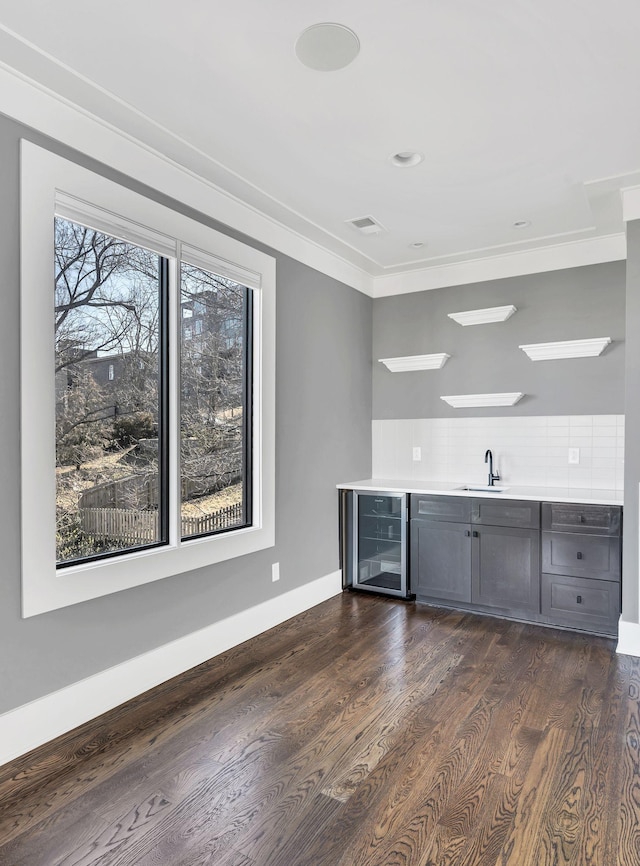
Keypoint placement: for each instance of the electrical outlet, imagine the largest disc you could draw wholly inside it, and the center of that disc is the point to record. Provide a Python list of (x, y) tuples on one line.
[(275, 572), (574, 456), (417, 454)]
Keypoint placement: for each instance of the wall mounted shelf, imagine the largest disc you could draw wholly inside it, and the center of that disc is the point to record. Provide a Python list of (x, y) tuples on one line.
[(415, 362), (464, 401), (566, 349), (483, 317)]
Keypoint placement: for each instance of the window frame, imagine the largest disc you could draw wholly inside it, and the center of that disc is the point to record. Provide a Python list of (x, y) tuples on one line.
[(51, 184)]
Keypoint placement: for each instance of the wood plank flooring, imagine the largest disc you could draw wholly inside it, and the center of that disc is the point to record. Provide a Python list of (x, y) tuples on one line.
[(365, 732)]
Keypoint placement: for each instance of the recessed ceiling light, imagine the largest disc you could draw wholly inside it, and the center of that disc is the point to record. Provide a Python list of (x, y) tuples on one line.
[(416, 245), (327, 47), (406, 158), (522, 224)]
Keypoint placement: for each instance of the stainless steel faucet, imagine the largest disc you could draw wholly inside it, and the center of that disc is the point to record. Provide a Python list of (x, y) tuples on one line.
[(488, 458)]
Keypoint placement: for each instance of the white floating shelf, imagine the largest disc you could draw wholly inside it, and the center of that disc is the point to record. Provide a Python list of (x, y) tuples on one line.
[(483, 317), (463, 401), (566, 349), (415, 362)]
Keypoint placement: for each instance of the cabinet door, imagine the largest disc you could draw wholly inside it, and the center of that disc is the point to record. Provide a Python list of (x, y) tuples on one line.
[(506, 568), (441, 560)]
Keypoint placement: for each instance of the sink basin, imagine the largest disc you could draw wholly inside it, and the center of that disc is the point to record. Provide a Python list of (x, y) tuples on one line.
[(482, 488)]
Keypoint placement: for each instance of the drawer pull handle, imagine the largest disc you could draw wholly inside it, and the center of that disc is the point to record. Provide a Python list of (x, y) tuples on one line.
[(475, 534), (579, 599), (467, 533), (579, 555)]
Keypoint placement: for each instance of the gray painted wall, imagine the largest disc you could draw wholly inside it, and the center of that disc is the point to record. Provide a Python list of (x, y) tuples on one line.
[(323, 430), (630, 565), (559, 305)]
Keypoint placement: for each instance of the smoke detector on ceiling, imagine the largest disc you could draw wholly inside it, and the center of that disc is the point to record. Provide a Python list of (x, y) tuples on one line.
[(367, 225)]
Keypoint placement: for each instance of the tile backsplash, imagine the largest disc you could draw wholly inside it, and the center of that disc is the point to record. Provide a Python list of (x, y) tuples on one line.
[(527, 450)]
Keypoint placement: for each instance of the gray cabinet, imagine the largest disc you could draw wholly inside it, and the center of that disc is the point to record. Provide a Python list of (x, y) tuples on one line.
[(581, 565), (556, 563), (583, 518), (478, 551), (441, 560), (454, 509), (505, 569), (578, 602), (581, 555), (520, 513)]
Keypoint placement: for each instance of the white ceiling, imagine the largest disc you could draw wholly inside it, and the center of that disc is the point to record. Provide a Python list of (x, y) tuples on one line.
[(524, 110)]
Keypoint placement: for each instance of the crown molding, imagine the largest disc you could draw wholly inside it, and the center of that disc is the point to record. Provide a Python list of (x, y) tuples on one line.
[(30, 103), (571, 254), (630, 203), (26, 100), (566, 349), (415, 362)]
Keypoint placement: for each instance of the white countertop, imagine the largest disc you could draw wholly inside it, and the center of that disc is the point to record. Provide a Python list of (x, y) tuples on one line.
[(510, 491)]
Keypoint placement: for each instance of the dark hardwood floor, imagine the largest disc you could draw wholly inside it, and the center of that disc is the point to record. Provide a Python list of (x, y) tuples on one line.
[(365, 732)]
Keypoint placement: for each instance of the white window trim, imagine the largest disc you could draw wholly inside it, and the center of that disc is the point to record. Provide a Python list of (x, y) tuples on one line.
[(45, 179)]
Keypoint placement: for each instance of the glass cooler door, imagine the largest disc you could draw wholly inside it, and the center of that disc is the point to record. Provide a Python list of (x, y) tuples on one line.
[(379, 547)]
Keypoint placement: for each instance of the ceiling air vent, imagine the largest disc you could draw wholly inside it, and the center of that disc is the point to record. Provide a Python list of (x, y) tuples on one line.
[(367, 225)]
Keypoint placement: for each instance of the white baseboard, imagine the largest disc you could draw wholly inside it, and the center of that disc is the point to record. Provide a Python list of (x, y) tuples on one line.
[(48, 717), (628, 638)]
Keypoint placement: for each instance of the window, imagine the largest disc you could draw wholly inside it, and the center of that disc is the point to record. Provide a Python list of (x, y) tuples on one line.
[(215, 447), (163, 456), (111, 459)]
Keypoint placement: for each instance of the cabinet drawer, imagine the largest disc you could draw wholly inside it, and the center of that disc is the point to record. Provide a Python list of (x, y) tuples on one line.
[(585, 519), (593, 605), (592, 556), (453, 509), (519, 513)]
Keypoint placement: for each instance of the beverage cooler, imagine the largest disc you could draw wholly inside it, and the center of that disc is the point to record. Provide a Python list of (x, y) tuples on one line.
[(375, 542)]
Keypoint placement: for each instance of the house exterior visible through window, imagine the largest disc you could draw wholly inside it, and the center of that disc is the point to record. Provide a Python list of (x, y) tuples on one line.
[(152, 357), (113, 439)]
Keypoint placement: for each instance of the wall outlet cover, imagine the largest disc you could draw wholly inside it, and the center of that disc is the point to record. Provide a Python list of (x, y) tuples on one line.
[(275, 572), (417, 454), (574, 456)]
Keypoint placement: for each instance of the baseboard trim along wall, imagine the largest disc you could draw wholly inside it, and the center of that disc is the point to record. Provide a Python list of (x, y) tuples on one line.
[(628, 638), (46, 718)]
